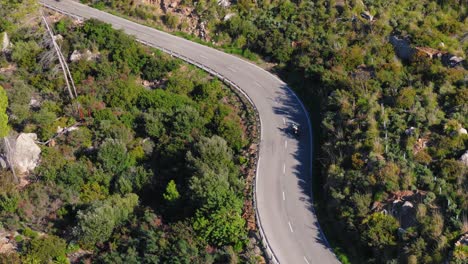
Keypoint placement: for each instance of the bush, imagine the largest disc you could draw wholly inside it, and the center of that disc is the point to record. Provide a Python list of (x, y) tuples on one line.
[(45, 249), (26, 54), (8, 203), (30, 233), (113, 157), (171, 20), (96, 223)]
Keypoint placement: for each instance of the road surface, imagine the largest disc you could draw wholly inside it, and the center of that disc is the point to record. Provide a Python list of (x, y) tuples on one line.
[(283, 183)]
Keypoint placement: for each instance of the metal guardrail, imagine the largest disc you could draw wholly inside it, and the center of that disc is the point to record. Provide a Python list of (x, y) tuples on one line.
[(267, 249)]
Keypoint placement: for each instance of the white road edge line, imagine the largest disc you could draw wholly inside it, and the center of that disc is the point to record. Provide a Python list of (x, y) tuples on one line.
[(290, 227), (306, 260), (204, 57), (284, 197)]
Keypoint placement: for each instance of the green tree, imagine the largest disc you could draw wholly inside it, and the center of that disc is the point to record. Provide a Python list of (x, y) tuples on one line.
[(389, 175), (73, 175), (407, 98), (171, 193), (186, 122), (214, 170), (96, 223), (8, 203), (214, 187), (4, 128), (122, 93), (380, 230), (113, 157), (19, 98), (222, 226), (26, 54), (361, 203)]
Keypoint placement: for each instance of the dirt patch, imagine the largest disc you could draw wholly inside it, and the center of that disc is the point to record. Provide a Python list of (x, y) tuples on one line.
[(8, 69)]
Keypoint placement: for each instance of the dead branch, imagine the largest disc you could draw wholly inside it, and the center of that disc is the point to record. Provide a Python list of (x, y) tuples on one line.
[(65, 130)]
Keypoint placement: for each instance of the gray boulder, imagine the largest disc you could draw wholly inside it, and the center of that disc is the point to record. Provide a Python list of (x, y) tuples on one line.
[(464, 158), (87, 54), (5, 42), (25, 153), (228, 16), (402, 47), (3, 162)]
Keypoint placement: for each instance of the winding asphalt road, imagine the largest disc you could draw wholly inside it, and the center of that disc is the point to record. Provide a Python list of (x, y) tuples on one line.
[(284, 173)]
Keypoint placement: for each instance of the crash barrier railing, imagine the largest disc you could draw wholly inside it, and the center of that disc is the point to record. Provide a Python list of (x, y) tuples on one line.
[(266, 245)]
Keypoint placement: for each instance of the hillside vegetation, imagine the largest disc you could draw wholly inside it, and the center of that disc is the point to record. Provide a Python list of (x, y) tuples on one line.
[(393, 127), (152, 169)]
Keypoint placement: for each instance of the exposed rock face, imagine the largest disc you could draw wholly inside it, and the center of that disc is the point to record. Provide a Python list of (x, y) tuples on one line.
[(88, 55), (7, 241), (166, 5), (26, 153)]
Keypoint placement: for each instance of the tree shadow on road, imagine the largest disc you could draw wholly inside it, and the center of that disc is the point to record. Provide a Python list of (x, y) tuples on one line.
[(290, 109)]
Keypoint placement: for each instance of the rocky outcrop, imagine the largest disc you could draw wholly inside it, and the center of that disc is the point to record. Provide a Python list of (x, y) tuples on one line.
[(167, 5), (87, 54), (5, 42), (58, 37), (187, 14), (34, 102), (402, 205), (23, 152), (202, 29), (224, 3), (464, 158), (367, 15), (402, 47), (228, 16), (7, 241)]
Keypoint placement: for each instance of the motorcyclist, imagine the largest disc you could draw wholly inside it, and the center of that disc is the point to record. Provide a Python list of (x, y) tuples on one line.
[(295, 129)]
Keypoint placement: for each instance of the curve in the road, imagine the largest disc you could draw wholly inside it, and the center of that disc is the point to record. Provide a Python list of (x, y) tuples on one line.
[(283, 184)]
